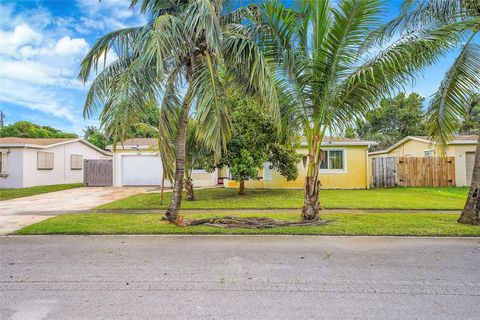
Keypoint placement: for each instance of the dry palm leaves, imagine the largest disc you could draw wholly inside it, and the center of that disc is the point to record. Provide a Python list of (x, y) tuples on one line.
[(251, 223)]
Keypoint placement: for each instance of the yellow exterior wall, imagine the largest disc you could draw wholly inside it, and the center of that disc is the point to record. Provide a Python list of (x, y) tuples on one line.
[(354, 176), (416, 148), (411, 148)]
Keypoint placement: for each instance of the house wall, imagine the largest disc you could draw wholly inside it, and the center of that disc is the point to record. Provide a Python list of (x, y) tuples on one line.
[(354, 176), (61, 172), (458, 151), (415, 148), (14, 178), (411, 148), (200, 178)]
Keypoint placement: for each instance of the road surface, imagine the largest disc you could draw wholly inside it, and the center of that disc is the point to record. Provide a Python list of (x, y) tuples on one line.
[(239, 277)]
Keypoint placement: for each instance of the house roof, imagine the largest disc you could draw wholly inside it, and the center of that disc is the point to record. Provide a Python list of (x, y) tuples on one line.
[(42, 143), (342, 141), (145, 143), (458, 139), (135, 143)]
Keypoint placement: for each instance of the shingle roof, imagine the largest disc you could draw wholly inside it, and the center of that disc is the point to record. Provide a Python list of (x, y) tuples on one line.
[(341, 141), (33, 141), (146, 142)]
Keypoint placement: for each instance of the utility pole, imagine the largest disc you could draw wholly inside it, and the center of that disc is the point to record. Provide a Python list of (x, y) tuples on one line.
[(2, 117)]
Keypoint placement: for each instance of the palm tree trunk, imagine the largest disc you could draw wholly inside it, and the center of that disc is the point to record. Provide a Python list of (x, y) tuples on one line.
[(174, 206), (241, 190), (311, 203), (471, 211), (189, 189)]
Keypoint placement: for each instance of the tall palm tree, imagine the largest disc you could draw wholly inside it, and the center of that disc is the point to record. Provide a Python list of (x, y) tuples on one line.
[(175, 60), (326, 74), (453, 100)]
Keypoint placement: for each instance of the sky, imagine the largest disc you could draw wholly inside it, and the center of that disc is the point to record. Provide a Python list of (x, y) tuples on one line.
[(42, 43)]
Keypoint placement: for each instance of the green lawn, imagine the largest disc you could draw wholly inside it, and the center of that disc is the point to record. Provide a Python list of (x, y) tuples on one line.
[(414, 224), (6, 194), (222, 198)]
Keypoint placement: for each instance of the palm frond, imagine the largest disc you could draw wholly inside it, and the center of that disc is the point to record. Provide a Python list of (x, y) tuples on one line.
[(451, 102)]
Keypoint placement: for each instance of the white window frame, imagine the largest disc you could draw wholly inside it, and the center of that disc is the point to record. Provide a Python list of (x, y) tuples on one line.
[(73, 163), (199, 171), (267, 172), (4, 162), (44, 166), (430, 151), (344, 164)]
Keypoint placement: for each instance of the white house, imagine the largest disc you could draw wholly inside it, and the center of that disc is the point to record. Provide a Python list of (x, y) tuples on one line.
[(28, 162), (137, 163)]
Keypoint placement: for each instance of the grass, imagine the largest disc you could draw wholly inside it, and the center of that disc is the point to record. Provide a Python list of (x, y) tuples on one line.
[(6, 194), (222, 198), (362, 223)]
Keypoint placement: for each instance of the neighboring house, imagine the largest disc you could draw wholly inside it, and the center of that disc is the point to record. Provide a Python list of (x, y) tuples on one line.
[(462, 148), (346, 167), (28, 162), (137, 163)]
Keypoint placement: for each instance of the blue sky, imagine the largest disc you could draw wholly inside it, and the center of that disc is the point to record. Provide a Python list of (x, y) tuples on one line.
[(42, 43)]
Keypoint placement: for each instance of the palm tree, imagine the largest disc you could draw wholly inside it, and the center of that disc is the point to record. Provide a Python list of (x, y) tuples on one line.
[(326, 74), (455, 98), (175, 60)]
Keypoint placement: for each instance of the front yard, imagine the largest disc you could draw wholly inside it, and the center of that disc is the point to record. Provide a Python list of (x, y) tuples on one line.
[(7, 194), (361, 223), (222, 198)]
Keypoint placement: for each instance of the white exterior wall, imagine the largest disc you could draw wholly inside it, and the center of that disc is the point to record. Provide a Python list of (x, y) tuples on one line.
[(23, 172), (458, 151), (200, 178), (14, 179)]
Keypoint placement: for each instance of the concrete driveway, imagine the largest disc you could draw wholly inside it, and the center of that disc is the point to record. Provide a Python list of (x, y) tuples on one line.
[(20, 212), (232, 277)]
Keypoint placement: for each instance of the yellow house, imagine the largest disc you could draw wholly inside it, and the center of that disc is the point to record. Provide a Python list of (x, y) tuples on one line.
[(346, 168), (462, 147)]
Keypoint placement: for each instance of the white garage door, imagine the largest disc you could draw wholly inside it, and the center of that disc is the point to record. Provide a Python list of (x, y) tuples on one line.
[(470, 160), (141, 170)]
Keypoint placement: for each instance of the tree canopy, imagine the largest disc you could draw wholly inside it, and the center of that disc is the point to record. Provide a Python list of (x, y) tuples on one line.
[(25, 129), (394, 119), (255, 141)]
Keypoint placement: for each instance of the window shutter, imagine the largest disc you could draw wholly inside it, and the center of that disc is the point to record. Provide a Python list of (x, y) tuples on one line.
[(49, 160), (267, 172), (4, 167), (76, 162), (45, 160)]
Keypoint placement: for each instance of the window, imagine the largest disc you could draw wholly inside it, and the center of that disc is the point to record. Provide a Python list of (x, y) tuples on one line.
[(334, 160), (429, 153), (44, 160), (76, 162), (267, 171), (3, 162)]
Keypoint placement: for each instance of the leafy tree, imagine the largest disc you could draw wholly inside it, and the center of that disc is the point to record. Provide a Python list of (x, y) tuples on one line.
[(96, 137), (25, 129), (392, 121), (452, 102), (255, 140), (327, 73), (176, 58), (470, 123)]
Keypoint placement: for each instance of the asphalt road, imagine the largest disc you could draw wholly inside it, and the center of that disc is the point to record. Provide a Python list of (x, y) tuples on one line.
[(228, 277)]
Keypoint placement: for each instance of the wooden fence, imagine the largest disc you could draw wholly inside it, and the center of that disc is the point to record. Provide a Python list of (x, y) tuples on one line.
[(388, 172), (98, 173)]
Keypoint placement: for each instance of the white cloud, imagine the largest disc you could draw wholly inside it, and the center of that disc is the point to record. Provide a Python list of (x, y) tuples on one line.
[(35, 98), (40, 54), (68, 46), (21, 35)]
